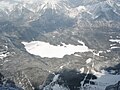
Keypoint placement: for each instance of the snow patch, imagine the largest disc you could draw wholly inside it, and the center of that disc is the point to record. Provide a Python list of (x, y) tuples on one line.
[(82, 70), (61, 67), (108, 50), (115, 47), (2, 56), (88, 60), (115, 40), (77, 55)]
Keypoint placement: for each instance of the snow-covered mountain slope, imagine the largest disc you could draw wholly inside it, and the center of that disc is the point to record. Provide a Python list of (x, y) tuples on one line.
[(31, 10), (35, 5)]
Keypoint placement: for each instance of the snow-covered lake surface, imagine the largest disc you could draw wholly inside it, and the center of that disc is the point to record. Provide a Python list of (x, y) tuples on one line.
[(45, 49)]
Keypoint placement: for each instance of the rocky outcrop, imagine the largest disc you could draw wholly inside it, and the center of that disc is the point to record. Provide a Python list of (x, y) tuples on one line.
[(22, 79), (8, 84), (114, 87), (68, 80)]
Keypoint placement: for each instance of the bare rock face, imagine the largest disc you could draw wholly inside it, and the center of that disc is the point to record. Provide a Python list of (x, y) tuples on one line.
[(114, 87), (23, 80), (8, 84), (68, 80), (117, 85)]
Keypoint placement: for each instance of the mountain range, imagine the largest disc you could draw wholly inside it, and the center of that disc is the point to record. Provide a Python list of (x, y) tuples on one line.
[(60, 44)]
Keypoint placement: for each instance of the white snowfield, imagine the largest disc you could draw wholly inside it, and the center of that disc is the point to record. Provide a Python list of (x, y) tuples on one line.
[(89, 60), (113, 45), (2, 56), (45, 49), (115, 40)]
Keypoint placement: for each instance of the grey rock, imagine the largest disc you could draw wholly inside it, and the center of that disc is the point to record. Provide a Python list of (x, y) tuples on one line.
[(114, 87)]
